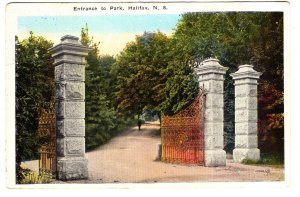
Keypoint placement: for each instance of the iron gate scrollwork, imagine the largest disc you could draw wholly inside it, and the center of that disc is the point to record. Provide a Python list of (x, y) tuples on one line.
[(47, 151), (183, 134)]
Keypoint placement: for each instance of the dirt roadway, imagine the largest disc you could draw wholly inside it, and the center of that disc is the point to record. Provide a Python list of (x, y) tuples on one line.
[(130, 158)]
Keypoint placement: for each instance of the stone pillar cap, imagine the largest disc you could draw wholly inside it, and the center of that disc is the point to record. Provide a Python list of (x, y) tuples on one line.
[(246, 68), (210, 65), (69, 39), (246, 71), (69, 45), (210, 61)]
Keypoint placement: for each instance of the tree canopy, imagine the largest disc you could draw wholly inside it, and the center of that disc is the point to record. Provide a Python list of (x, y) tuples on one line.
[(34, 91), (146, 78), (235, 39)]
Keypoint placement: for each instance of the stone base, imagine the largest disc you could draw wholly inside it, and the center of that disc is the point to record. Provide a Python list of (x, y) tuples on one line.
[(71, 168), (240, 153), (214, 158)]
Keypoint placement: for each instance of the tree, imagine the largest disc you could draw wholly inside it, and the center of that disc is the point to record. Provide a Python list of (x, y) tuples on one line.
[(34, 90), (235, 39), (148, 79), (140, 73), (102, 120)]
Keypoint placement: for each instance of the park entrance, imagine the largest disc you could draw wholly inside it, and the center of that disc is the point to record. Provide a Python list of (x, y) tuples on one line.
[(193, 135), (183, 134)]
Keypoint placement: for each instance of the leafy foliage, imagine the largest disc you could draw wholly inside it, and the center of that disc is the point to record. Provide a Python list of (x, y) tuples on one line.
[(102, 120), (147, 79), (235, 39), (34, 90), (139, 70)]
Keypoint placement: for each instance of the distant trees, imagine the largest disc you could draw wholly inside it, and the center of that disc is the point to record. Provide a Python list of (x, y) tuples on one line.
[(101, 117), (139, 71), (148, 80), (34, 90)]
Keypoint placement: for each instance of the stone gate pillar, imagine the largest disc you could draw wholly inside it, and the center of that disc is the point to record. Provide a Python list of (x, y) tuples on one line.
[(211, 76), (70, 108), (245, 113)]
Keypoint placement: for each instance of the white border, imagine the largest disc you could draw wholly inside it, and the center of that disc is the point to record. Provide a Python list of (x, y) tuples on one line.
[(241, 6)]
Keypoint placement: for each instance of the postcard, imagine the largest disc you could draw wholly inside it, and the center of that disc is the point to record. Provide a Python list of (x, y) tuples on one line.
[(139, 94)]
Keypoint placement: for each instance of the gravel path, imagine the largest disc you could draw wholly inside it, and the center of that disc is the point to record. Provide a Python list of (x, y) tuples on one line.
[(130, 158)]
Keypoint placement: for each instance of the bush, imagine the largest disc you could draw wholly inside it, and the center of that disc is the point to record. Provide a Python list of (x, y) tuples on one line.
[(97, 135), (30, 177)]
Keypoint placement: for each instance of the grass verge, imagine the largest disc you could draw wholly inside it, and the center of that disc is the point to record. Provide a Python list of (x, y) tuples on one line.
[(273, 160)]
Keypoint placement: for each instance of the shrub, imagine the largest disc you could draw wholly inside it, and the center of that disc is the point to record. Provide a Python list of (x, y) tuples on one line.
[(31, 177)]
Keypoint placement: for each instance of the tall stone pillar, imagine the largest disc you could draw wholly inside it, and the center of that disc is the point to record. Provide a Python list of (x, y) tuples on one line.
[(69, 64), (211, 77), (245, 113)]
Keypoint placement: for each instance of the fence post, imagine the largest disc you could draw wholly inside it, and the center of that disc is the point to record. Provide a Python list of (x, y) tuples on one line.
[(246, 114), (211, 77), (69, 64)]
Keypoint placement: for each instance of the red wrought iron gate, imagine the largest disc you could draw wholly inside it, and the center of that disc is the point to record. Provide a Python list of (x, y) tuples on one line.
[(183, 134), (46, 129)]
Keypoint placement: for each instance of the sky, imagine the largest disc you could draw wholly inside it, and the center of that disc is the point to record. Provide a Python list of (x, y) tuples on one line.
[(112, 31)]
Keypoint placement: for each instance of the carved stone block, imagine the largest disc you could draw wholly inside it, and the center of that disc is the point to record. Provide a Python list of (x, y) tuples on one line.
[(213, 128), (217, 86), (246, 102), (245, 115), (212, 85), (70, 146), (75, 145), (71, 127), (246, 141), (214, 158), (214, 100), (245, 90), (213, 142), (70, 109), (214, 115), (73, 72), (70, 90), (72, 168), (239, 154), (205, 85), (245, 128)]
